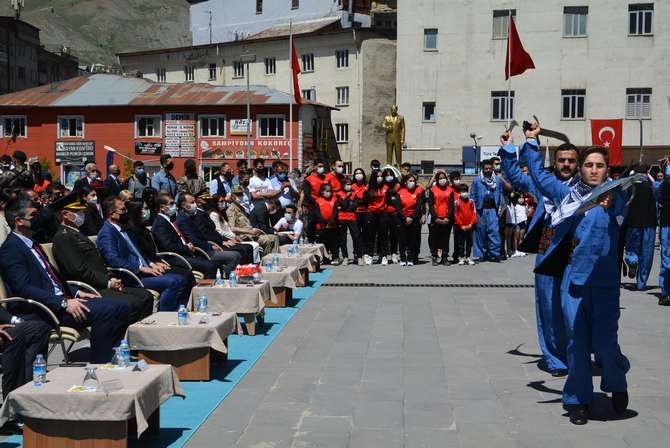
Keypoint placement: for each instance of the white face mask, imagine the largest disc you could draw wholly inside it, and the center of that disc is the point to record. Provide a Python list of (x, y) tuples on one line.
[(327, 194), (191, 208), (389, 179), (347, 187), (146, 214), (339, 169), (320, 170), (456, 181), (273, 211), (465, 196), (288, 216), (93, 176), (380, 180), (93, 201), (442, 182), (223, 205), (172, 210), (359, 177), (411, 185), (78, 219)]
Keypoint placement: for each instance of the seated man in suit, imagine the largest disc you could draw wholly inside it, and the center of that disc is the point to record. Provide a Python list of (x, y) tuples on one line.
[(119, 251), (28, 273), (79, 259), (169, 237), (260, 218), (225, 259)]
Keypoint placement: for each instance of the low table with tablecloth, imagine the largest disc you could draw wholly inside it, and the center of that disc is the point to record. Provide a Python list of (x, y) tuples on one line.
[(305, 263), (283, 281)]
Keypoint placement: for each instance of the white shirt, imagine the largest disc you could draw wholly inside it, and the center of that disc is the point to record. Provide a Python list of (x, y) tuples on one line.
[(284, 226), (258, 185), (285, 198)]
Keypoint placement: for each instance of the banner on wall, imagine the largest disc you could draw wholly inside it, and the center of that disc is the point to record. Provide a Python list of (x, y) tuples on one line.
[(238, 126), (75, 151), (267, 148), (148, 148), (179, 137)]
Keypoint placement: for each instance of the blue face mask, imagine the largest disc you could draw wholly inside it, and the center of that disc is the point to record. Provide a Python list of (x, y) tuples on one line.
[(281, 177)]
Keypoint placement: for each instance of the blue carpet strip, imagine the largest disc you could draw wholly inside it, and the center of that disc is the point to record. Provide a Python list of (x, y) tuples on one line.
[(181, 418)]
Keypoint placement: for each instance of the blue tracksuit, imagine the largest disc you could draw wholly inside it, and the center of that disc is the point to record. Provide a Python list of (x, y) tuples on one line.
[(487, 233), (641, 234), (590, 295), (548, 313), (662, 193)]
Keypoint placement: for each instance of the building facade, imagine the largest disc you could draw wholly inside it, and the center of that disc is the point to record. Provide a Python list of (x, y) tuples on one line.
[(351, 69), (70, 123), (594, 59)]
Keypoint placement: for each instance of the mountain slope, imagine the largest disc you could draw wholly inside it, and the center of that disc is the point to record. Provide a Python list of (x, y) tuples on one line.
[(95, 30)]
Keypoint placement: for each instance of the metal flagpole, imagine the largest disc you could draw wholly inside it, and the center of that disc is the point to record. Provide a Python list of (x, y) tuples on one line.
[(509, 70), (290, 119)]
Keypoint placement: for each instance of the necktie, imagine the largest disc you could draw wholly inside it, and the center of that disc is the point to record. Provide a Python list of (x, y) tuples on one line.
[(181, 234), (51, 272), (133, 248)]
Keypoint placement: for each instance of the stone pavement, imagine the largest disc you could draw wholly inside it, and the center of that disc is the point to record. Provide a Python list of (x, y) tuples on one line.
[(435, 367)]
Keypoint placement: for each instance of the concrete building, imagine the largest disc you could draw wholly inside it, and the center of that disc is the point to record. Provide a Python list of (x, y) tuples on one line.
[(216, 21), (69, 123), (594, 59), (352, 69)]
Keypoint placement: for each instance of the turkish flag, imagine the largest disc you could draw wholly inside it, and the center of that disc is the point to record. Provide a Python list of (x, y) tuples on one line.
[(517, 60), (608, 133), (295, 68)]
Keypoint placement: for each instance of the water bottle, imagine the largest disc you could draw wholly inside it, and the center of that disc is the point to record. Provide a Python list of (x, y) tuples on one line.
[(39, 371), (295, 247), (202, 303), (182, 315), (124, 352), (275, 260), (233, 279), (219, 279)]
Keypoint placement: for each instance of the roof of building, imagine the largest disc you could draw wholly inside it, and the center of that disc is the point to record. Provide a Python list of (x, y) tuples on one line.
[(301, 27), (115, 90)]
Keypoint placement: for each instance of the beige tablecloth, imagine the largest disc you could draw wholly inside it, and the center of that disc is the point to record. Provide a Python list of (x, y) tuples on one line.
[(142, 394), (286, 278), (307, 261), (240, 299), (317, 249), (165, 335)]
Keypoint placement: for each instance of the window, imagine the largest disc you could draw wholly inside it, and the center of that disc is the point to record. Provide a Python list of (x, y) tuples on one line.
[(259, 6), (638, 103), (640, 19), (342, 132), (270, 66), (147, 126), (160, 74), (212, 125), (502, 106), (238, 69), (70, 126), (271, 126), (574, 21), (573, 104), (501, 22), (429, 112), (14, 125), (212, 72), (189, 72), (342, 96), (342, 57), (22, 73), (309, 94), (430, 39), (295, 4), (307, 63)]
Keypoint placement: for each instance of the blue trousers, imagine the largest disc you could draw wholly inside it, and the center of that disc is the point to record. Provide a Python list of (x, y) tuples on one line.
[(592, 320), (173, 289), (549, 317), (640, 251), (487, 235), (664, 274)]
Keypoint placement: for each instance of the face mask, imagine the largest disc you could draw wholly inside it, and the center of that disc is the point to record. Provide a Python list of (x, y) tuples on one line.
[(260, 171), (245, 183), (223, 205), (339, 169), (228, 175), (169, 166), (172, 210), (273, 211), (288, 216), (442, 182), (359, 177), (497, 168), (465, 196), (411, 185), (320, 170), (191, 209), (326, 194), (347, 187), (388, 179), (93, 176), (380, 180), (281, 177), (93, 201), (124, 218), (146, 214), (456, 181), (139, 171)]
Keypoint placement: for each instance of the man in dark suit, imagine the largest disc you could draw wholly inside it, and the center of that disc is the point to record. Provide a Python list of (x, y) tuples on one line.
[(91, 179), (119, 251), (28, 273), (112, 185), (79, 259), (170, 238), (260, 219), (224, 259)]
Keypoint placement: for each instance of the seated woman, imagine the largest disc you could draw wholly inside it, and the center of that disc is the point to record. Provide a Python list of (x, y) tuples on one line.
[(220, 219)]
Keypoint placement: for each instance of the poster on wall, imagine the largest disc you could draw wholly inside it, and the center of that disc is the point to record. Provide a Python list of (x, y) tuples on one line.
[(179, 137), (148, 148), (238, 126), (266, 148), (75, 151)]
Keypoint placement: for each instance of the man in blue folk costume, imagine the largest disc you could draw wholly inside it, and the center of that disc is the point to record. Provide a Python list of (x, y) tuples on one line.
[(486, 193)]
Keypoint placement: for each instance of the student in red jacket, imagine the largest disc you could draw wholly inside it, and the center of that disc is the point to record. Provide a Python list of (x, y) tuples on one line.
[(410, 211), (391, 182), (358, 188), (441, 209), (310, 192), (377, 220), (326, 220), (465, 217), (346, 219)]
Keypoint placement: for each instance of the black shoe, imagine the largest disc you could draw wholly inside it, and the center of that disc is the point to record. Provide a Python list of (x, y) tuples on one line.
[(664, 300), (632, 270), (620, 402), (559, 373), (579, 415), (445, 261), (435, 262), (496, 259)]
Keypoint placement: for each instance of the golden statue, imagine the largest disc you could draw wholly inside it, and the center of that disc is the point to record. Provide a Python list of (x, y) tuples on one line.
[(394, 126)]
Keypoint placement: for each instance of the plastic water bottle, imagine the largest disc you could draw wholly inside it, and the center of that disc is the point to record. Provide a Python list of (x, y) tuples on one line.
[(182, 315), (39, 371), (219, 279), (124, 352), (202, 303), (233, 279), (296, 249), (275, 260)]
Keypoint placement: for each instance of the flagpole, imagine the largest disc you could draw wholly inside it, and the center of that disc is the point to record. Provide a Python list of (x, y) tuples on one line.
[(509, 70), (290, 120)]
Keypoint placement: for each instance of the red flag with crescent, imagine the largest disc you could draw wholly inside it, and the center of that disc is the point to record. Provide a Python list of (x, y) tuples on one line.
[(608, 133)]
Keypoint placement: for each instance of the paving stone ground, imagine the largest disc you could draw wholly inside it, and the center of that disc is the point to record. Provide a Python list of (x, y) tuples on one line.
[(436, 367)]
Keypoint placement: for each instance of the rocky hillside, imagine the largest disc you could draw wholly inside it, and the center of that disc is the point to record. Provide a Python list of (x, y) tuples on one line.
[(95, 30)]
